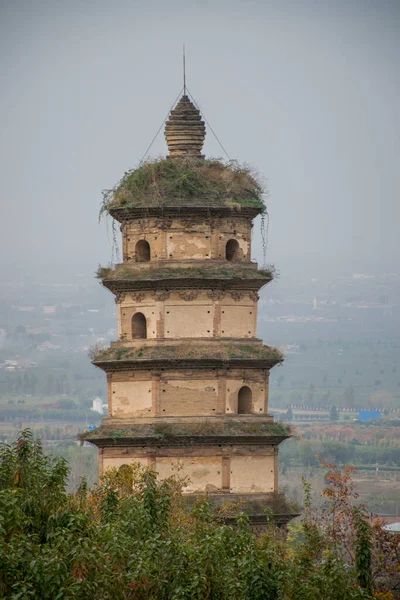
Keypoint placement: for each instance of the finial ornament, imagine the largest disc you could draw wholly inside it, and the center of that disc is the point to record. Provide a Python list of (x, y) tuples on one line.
[(185, 130)]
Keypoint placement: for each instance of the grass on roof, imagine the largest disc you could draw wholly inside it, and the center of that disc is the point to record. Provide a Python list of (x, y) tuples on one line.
[(186, 351), (187, 182), (208, 272), (203, 428)]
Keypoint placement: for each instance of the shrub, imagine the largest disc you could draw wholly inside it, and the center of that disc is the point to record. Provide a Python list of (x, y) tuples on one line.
[(131, 538)]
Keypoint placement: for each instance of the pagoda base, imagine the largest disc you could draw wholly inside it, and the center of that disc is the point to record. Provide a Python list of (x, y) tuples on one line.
[(230, 459), (260, 509)]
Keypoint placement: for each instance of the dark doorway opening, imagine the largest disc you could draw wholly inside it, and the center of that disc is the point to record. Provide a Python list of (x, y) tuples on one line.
[(139, 326), (142, 251), (232, 250), (245, 400)]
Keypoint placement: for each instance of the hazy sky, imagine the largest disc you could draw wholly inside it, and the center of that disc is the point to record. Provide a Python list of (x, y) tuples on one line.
[(306, 90)]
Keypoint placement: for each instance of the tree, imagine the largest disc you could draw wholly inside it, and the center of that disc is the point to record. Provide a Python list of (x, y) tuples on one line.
[(344, 533), (289, 414), (66, 404), (33, 383), (133, 538), (333, 413), (348, 397)]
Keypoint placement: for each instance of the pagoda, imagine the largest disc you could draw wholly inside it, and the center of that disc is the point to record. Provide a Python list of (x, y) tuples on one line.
[(188, 379)]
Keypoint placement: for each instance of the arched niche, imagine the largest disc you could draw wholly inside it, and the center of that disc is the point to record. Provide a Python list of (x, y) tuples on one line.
[(125, 469), (139, 326), (142, 251), (125, 474), (245, 400), (232, 250)]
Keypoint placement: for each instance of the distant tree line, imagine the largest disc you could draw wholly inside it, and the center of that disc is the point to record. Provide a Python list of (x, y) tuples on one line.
[(23, 413), (306, 452), (49, 381)]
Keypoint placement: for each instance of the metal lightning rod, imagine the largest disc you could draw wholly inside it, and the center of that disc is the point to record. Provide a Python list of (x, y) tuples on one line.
[(184, 71)]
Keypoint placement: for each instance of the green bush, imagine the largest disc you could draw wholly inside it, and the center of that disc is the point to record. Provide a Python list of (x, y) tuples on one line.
[(132, 538)]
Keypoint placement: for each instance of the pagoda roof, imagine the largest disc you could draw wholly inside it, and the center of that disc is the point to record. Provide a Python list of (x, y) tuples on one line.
[(162, 276), (209, 431), (184, 185), (190, 355)]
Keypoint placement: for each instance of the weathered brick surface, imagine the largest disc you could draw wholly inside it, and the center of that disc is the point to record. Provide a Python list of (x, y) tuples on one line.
[(223, 312), (183, 393), (233, 469), (193, 314), (186, 239)]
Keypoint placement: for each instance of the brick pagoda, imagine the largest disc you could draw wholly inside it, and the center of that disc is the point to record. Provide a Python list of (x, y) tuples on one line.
[(188, 379)]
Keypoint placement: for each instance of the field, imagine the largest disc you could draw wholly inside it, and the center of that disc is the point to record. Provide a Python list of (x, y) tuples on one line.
[(373, 449)]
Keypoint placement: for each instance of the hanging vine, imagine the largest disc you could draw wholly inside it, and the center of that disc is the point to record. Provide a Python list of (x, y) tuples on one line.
[(115, 246), (264, 224), (103, 213)]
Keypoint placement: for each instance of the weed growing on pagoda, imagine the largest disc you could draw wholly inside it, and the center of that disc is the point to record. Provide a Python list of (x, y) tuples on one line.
[(133, 538), (187, 181), (189, 430), (95, 350), (237, 271), (188, 351)]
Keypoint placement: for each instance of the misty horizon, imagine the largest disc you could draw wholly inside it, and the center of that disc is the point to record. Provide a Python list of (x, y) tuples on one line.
[(307, 94)]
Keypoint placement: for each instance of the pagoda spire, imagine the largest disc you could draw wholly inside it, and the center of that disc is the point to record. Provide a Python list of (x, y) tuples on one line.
[(185, 130)]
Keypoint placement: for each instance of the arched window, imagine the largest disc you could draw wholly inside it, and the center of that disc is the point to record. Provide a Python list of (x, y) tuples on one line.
[(142, 251), (125, 473), (139, 326), (232, 250), (244, 400), (125, 469)]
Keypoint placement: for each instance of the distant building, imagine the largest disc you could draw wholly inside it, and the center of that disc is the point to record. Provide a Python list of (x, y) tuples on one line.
[(97, 405), (47, 346), (369, 415), (363, 276), (393, 527), (291, 349), (48, 309)]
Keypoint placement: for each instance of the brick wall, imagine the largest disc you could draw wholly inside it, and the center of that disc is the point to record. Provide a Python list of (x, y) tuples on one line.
[(184, 393), (190, 239), (190, 314), (232, 469)]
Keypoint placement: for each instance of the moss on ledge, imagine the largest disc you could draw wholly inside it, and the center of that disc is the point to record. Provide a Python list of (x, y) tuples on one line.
[(206, 272), (187, 351), (186, 182), (227, 507), (165, 431)]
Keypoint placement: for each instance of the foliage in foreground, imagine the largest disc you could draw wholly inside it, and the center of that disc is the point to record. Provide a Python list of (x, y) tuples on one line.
[(131, 538)]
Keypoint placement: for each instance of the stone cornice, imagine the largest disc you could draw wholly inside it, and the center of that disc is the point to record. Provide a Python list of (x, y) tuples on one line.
[(124, 215), (112, 366), (126, 285), (179, 441)]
